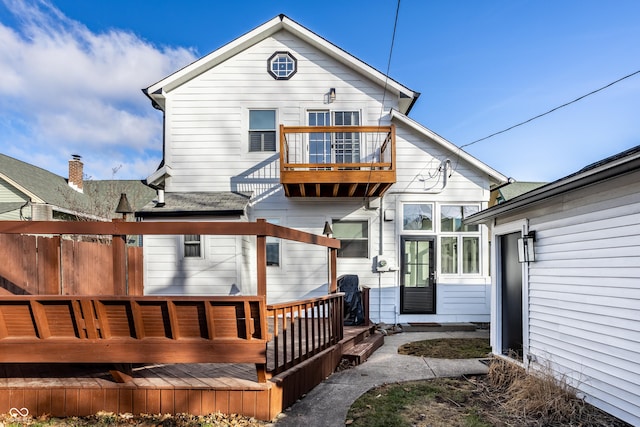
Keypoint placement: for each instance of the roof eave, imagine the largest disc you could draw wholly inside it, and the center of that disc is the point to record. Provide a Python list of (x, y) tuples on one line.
[(216, 57), (157, 91), (563, 185), (495, 176), (184, 213), (34, 198), (156, 179)]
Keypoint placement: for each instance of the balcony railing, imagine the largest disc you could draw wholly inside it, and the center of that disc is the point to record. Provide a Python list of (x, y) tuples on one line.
[(337, 161)]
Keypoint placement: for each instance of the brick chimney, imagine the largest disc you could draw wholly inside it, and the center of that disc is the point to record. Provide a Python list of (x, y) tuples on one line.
[(75, 172)]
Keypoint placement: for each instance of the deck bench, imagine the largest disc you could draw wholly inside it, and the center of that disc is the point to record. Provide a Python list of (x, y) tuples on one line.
[(123, 330)]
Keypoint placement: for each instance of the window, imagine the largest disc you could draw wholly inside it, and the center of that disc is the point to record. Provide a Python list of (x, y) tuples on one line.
[(319, 142), (282, 65), (192, 246), (451, 218), (347, 144), (273, 247), (336, 147), (354, 238), (262, 130), (417, 217), (460, 244)]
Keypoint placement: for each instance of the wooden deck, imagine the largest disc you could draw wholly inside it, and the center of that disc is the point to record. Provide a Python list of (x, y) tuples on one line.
[(184, 351), (201, 388)]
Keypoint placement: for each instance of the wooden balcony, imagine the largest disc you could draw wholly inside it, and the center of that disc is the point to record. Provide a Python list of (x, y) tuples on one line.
[(337, 161)]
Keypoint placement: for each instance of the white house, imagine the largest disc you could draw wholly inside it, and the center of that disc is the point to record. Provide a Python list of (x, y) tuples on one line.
[(575, 305), (281, 124)]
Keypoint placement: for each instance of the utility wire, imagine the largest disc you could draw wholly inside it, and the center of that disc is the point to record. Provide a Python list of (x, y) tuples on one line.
[(384, 93), (386, 80), (552, 110)]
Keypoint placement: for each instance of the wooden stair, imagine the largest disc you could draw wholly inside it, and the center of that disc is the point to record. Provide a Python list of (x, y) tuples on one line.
[(360, 343)]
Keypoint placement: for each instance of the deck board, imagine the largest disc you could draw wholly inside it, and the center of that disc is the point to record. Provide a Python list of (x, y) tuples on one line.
[(83, 389)]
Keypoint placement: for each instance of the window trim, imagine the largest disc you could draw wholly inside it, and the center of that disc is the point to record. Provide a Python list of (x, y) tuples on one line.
[(274, 130), (459, 235), (348, 145), (184, 243), (277, 55), (273, 240), (367, 239), (411, 230)]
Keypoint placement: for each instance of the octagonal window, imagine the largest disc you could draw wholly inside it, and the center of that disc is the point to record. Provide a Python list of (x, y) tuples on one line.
[(282, 65)]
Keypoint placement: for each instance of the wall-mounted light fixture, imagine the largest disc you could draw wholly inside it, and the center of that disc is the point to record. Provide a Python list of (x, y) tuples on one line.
[(332, 94), (526, 247)]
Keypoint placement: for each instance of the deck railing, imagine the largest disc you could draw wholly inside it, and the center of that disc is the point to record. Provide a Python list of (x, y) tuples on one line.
[(302, 329), (125, 330), (337, 147), (337, 161)]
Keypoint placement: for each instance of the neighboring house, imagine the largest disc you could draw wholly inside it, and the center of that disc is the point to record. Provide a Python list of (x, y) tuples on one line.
[(30, 193), (505, 192), (281, 124), (576, 306)]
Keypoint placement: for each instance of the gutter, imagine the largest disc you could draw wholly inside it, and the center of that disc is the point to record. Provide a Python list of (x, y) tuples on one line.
[(582, 178)]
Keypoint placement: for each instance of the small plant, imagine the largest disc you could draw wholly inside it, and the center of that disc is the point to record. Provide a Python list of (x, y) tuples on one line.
[(541, 397)]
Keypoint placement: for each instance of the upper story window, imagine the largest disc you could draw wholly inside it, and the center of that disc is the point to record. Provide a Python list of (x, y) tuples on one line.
[(459, 243), (336, 147), (282, 65), (262, 130), (354, 238)]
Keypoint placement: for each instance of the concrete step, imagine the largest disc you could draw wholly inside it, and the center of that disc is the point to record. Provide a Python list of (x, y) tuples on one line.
[(361, 351)]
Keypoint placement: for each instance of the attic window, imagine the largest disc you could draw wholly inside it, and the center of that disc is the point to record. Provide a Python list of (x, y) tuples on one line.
[(282, 65)]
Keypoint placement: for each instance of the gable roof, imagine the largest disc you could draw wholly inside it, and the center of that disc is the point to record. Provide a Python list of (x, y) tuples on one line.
[(40, 185), (517, 188), (406, 96), (616, 165), (106, 194), (495, 176), (99, 199)]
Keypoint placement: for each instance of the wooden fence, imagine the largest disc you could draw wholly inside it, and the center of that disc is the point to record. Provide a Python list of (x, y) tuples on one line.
[(37, 265)]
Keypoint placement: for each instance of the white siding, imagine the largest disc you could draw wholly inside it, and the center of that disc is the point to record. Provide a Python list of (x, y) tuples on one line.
[(207, 118), (8, 194), (217, 272), (584, 292), (206, 133)]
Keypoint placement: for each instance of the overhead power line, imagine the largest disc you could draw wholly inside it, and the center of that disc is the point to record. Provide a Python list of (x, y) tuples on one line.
[(552, 110), (384, 91)]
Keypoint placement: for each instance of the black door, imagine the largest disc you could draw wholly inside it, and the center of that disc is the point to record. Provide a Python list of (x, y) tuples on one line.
[(417, 275), (511, 291)]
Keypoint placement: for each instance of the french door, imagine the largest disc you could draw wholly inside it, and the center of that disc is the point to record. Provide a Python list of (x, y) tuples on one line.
[(417, 275), (337, 147)]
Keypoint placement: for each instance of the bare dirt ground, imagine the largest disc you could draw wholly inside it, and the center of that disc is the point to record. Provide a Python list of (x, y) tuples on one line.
[(507, 396)]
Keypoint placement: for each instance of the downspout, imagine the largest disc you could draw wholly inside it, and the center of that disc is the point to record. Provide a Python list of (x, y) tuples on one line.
[(381, 252)]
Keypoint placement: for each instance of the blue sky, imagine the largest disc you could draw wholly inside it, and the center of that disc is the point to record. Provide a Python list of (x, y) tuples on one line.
[(72, 73)]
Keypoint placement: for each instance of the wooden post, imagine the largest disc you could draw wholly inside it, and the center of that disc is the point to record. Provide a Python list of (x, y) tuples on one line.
[(118, 246), (333, 262), (261, 247)]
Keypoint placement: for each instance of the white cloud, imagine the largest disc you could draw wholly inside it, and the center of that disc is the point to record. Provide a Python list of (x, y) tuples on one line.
[(65, 89)]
